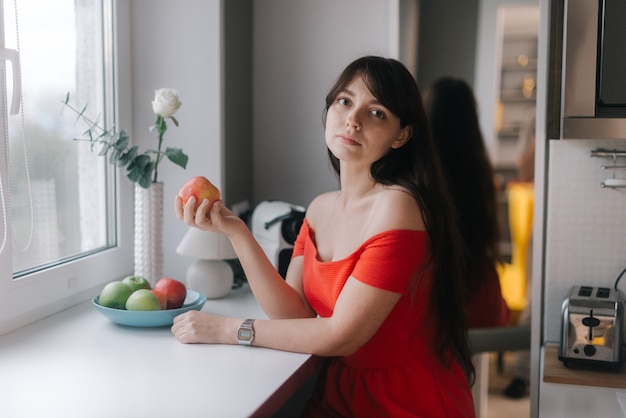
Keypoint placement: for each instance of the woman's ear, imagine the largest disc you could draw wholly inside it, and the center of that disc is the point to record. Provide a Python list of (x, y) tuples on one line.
[(405, 135)]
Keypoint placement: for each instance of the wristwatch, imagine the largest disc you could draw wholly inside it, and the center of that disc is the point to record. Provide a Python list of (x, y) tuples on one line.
[(245, 333)]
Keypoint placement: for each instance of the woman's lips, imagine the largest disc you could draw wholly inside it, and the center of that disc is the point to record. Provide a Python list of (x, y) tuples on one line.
[(348, 140)]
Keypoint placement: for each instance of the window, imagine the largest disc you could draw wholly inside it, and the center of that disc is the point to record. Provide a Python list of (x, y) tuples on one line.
[(62, 232)]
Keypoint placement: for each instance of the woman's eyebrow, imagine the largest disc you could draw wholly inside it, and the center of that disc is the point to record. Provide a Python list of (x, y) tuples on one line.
[(349, 92)]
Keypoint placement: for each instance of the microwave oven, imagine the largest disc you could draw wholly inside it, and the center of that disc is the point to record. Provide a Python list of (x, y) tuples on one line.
[(593, 84)]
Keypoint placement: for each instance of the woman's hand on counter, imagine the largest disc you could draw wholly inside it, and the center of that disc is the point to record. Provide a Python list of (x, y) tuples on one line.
[(195, 327)]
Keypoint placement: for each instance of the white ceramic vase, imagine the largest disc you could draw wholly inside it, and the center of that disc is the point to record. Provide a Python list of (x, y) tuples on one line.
[(149, 231)]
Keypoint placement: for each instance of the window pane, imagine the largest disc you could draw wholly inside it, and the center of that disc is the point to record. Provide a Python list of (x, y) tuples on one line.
[(58, 185)]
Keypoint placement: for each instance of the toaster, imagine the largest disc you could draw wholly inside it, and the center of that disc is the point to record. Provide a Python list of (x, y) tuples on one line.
[(592, 327)]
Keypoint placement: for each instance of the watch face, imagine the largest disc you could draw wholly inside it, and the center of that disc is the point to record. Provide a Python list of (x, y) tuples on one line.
[(245, 334)]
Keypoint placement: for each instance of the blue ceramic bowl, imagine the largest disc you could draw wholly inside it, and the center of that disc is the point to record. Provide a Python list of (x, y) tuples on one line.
[(193, 301)]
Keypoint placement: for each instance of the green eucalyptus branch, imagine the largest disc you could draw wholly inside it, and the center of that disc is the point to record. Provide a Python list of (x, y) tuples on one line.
[(140, 167)]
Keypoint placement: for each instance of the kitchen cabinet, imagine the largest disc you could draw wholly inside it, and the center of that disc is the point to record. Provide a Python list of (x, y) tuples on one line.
[(515, 113), (578, 400), (509, 121), (515, 117)]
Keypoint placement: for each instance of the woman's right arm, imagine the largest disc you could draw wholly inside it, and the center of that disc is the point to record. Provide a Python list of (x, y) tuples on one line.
[(279, 299)]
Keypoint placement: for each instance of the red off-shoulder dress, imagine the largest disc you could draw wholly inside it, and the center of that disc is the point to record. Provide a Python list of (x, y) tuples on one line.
[(396, 373)]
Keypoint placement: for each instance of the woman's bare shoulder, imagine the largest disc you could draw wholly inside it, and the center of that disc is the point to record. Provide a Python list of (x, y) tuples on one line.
[(320, 207), (396, 208)]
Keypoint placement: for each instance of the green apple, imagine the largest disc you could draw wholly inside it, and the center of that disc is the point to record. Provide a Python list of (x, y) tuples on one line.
[(115, 294), (137, 282), (143, 300)]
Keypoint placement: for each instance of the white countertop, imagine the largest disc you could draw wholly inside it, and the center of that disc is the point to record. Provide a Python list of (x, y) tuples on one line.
[(79, 364)]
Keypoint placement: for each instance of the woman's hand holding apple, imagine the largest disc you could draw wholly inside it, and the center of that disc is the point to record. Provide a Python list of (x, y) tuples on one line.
[(201, 189), (194, 201), (208, 215)]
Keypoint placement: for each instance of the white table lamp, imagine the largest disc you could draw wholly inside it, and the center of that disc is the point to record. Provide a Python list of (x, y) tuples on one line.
[(210, 274)]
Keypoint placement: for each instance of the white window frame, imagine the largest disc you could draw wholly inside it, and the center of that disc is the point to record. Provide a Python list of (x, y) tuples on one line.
[(43, 293)]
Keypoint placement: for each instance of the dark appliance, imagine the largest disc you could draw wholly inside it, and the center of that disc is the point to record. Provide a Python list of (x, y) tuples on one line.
[(275, 225), (591, 83)]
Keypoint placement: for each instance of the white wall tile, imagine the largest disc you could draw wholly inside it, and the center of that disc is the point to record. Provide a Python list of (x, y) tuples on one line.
[(585, 225)]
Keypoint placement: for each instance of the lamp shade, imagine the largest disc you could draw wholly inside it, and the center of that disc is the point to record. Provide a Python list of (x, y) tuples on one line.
[(206, 245), (209, 274)]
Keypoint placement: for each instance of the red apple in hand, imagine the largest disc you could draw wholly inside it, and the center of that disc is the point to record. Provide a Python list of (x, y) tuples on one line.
[(201, 188), (174, 290)]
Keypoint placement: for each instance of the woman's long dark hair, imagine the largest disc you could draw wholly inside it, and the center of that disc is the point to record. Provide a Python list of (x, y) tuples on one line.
[(452, 111), (416, 167)]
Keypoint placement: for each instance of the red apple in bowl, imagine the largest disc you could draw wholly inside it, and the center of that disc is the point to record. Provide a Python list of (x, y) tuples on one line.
[(162, 297), (174, 290), (201, 188)]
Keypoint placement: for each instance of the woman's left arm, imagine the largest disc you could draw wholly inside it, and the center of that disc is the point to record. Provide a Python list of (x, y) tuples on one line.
[(359, 312)]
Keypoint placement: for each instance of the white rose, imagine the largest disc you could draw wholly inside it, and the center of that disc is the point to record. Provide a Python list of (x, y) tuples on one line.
[(166, 102)]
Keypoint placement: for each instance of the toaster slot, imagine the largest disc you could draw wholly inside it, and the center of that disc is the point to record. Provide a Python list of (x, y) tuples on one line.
[(592, 329)]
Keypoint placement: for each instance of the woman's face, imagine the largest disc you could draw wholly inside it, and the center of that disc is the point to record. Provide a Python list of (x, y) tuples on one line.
[(359, 128)]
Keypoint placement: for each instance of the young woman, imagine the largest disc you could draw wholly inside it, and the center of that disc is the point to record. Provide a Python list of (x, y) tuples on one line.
[(376, 279), (452, 111)]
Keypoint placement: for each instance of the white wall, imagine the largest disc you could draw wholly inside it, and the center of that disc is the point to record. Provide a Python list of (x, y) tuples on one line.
[(586, 225), (177, 44), (447, 40), (299, 48)]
